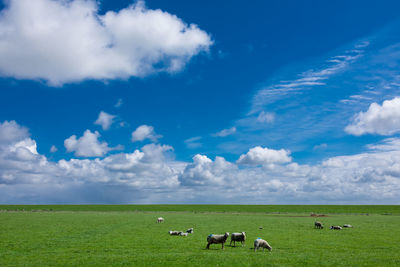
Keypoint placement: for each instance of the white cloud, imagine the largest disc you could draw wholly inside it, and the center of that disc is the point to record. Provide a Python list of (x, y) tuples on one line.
[(262, 156), (14, 139), (204, 171), (119, 103), (320, 146), (225, 132), (27, 143), (69, 41), (152, 175), (378, 119), (193, 142), (23, 150), (266, 117), (105, 120), (193, 139), (145, 132), (53, 149), (26, 176), (87, 146), (11, 131), (388, 144), (306, 80)]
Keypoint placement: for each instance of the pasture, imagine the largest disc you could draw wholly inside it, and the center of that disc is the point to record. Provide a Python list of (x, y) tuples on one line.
[(128, 235)]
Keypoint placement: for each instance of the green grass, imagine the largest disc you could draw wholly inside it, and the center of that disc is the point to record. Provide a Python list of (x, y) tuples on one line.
[(320, 209), (121, 238)]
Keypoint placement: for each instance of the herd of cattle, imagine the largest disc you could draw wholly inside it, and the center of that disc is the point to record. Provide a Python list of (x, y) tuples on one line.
[(241, 237)]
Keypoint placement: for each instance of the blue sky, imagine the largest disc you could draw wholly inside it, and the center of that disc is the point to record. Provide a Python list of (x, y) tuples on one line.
[(268, 102)]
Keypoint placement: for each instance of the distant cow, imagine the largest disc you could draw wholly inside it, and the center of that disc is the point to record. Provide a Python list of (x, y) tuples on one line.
[(318, 225), (160, 219), (336, 227), (347, 226)]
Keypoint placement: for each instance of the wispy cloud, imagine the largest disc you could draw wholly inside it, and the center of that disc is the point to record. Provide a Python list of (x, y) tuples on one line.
[(320, 147), (316, 106), (310, 104), (193, 142), (119, 103), (266, 117), (53, 149), (306, 80), (225, 132)]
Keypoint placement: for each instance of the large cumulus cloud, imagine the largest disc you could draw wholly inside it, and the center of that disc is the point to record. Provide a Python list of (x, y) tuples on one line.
[(378, 119), (69, 41)]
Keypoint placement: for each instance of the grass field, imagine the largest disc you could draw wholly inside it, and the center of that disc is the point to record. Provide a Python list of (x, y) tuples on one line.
[(129, 235), (320, 209)]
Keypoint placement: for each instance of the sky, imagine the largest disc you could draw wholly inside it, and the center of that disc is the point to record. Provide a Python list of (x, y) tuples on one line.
[(265, 102)]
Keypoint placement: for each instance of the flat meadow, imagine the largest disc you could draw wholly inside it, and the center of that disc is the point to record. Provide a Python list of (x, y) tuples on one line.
[(128, 235)]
